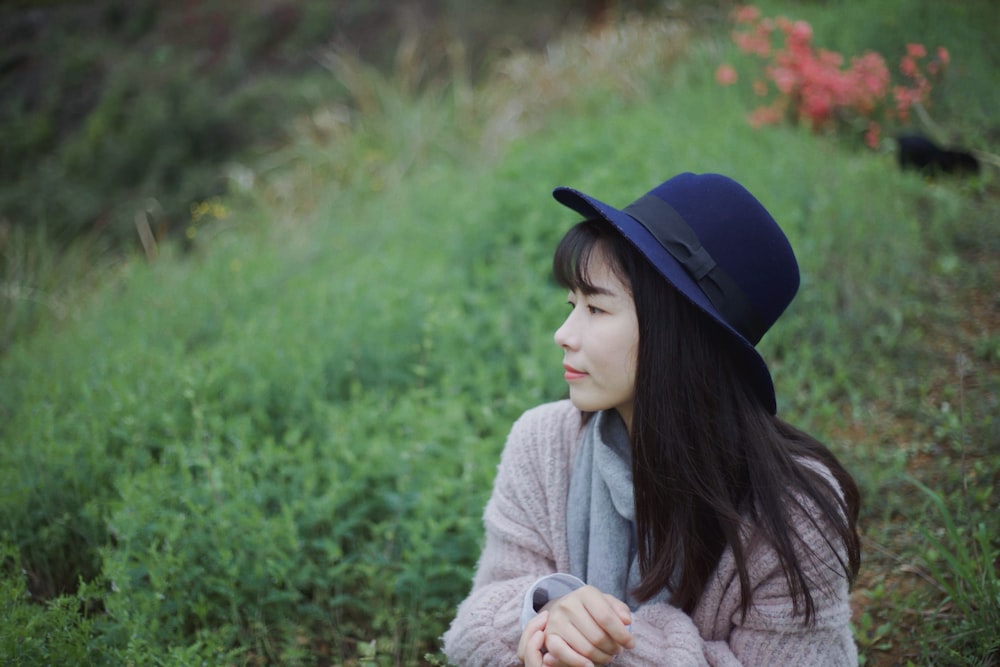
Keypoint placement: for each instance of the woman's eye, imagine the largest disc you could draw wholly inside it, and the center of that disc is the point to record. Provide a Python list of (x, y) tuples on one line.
[(594, 310)]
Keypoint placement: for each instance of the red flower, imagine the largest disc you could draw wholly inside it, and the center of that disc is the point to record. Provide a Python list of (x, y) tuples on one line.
[(905, 98), (873, 135), (831, 58), (745, 14), (800, 33), (817, 105), (726, 75), (814, 85), (785, 79), (765, 116), (758, 43), (868, 81)]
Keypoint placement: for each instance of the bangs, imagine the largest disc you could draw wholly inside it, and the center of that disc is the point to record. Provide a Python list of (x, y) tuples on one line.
[(572, 257)]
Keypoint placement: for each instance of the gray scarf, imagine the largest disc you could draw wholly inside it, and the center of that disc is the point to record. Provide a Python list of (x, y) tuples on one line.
[(600, 515)]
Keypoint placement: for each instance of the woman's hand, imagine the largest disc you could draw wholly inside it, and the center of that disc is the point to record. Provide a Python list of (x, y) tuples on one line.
[(531, 648), (585, 628)]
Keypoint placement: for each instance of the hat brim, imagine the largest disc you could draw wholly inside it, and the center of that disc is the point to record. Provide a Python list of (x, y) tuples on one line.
[(674, 273)]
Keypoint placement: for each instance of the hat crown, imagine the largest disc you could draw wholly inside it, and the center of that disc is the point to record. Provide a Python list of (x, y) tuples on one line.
[(741, 236)]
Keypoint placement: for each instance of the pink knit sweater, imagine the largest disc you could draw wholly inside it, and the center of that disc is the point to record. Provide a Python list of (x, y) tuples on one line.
[(526, 539)]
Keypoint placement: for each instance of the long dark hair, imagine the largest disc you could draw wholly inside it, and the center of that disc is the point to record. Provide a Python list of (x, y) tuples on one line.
[(706, 454)]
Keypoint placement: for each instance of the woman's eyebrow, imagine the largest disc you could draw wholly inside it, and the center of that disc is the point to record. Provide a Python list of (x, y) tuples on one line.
[(597, 290)]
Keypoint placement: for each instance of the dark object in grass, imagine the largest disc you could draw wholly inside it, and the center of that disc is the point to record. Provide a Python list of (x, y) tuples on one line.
[(921, 154)]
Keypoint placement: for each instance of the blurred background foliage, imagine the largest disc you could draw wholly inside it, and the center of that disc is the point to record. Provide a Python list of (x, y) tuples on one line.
[(275, 284), (148, 99), (116, 117)]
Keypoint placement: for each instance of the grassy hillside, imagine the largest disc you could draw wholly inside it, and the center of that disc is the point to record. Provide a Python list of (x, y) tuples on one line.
[(275, 449)]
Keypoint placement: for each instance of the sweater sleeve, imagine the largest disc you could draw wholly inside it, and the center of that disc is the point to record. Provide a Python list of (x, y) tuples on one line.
[(521, 541)]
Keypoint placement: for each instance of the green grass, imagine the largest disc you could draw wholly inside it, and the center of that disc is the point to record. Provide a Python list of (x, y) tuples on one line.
[(276, 449)]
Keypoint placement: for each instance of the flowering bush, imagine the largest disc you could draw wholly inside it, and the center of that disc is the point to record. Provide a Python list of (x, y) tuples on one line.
[(805, 83)]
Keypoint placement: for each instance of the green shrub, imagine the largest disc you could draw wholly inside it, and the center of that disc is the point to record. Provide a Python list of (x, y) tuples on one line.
[(36, 632)]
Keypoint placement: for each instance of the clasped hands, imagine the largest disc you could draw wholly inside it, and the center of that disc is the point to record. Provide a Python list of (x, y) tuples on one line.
[(580, 629)]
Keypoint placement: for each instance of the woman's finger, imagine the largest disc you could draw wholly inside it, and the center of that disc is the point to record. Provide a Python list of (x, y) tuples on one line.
[(561, 654), (617, 626), (534, 653), (532, 639)]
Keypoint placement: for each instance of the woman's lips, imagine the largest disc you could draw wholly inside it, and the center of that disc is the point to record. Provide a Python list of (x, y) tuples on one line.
[(572, 374)]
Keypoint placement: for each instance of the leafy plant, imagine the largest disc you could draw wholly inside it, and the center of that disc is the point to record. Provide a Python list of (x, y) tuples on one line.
[(52, 632)]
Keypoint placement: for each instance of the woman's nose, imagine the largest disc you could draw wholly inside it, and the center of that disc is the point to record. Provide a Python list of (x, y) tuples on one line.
[(564, 335)]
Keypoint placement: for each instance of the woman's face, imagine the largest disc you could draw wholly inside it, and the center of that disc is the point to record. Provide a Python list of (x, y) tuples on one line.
[(600, 340)]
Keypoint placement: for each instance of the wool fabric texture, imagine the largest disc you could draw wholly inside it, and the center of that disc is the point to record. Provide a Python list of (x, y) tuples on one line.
[(600, 512), (526, 538)]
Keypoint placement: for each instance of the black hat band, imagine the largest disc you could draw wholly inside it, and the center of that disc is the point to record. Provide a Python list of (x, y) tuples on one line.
[(676, 237)]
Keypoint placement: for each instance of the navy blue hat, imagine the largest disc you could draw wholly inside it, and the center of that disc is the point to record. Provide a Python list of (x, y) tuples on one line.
[(712, 240)]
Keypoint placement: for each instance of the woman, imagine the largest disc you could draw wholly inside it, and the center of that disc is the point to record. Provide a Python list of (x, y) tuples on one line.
[(665, 515)]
